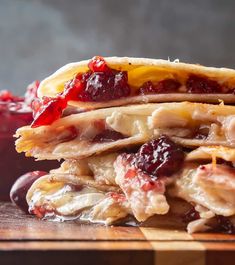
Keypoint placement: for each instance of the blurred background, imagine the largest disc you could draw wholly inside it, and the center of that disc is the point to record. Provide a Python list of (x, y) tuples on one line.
[(39, 36)]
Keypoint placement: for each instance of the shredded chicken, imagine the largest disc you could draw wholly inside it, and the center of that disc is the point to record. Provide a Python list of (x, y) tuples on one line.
[(212, 186), (108, 210), (98, 167), (145, 195), (102, 168)]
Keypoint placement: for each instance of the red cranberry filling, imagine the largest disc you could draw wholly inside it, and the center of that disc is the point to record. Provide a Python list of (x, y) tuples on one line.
[(160, 157), (21, 186), (198, 84), (100, 83), (164, 86), (108, 136), (105, 86), (49, 111), (75, 88), (98, 64)]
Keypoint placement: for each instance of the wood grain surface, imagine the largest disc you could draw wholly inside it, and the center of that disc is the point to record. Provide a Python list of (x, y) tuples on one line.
[(27, 240)]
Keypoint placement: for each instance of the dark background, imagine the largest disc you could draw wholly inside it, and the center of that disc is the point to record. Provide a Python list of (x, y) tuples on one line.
[(39, 36)]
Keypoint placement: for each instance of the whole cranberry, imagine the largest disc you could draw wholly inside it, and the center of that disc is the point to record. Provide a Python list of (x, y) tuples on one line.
[(105, 86), (160, 157), (21, 186), (164, 86), (49, 111), (98, 64)]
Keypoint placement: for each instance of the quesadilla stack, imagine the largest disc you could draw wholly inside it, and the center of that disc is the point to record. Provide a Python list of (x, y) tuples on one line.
[(139, 140)]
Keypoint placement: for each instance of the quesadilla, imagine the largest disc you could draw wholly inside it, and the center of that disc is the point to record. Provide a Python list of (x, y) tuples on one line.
[(109, 82), (80, 135), (111, 188), (140, 140)]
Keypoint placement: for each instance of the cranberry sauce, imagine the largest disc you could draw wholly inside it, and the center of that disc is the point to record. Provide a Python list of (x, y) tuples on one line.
[(157, 158), (99, 84), (21, 186), (14, 113), (203, 85), (108, 136), (160, 157), (164, 86)]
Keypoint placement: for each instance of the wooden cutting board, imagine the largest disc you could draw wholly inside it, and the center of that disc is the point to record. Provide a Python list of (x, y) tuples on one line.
[(26, 240)]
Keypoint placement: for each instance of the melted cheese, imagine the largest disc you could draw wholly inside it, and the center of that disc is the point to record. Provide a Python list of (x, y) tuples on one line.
[(61, 201)]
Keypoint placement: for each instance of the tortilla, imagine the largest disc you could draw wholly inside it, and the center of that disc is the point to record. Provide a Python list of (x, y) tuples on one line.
[(141, 70), (188, 124)]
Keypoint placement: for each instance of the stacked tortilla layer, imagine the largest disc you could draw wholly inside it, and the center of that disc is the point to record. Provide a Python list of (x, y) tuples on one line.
[(100, 180)]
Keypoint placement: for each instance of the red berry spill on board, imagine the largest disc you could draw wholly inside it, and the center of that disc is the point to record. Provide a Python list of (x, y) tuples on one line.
[(74, 89), (160, 157), (147, 88), (107, 136), (21, 186), (164, 86), (103, 85), (198, 84)]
